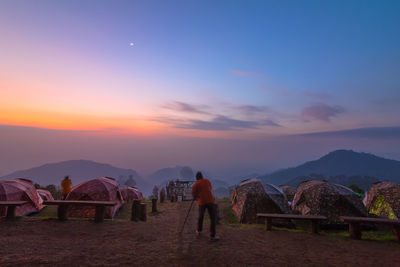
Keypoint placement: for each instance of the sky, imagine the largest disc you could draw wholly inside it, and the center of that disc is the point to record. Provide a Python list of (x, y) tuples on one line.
[(234, 87)]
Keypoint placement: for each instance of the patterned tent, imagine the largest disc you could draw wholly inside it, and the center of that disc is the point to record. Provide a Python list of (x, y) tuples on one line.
[(98, 189), (131, 193), (289, 191), (383, 199), (251, 197), (330, 200), (20, 189), (45, 194)]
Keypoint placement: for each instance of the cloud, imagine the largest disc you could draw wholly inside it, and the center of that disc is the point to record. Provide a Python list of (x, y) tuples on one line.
[(320, 111), (185, 107), (252, 74), (218, 123), (370, 133), (251, 109)]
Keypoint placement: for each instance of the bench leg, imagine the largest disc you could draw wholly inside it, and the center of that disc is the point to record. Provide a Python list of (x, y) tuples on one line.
[(154, 205), (396, 232), (355, 230), (143, 212), (314, 226), (62, 212), (10, 213), (135, 216), (99, 216), (268, 224)]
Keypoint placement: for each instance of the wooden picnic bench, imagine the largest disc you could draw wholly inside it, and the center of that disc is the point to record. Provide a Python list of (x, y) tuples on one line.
[(313, 218), (62, 211), (355, 229), (11, 207)]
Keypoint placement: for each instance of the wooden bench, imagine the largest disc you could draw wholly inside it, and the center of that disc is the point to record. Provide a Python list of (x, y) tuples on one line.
[(62, 211), (355, 229), (313, 218), (11, 207)]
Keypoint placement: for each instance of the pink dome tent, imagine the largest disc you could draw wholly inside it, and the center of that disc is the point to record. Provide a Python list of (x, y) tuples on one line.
[(45, 195), (131, 193), (98, 189), (20, 189)]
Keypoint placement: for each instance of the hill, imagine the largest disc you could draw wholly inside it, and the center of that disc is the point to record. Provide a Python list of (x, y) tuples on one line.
[(340, 163), (79, 171)]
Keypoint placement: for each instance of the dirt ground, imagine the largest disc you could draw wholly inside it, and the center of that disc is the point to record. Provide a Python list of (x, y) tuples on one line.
[(39, 241)]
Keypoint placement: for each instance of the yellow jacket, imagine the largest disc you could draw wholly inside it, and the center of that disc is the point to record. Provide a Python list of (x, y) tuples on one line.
[(66, 186)]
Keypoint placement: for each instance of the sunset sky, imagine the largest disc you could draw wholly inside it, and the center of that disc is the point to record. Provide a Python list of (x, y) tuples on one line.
[(233, 87)]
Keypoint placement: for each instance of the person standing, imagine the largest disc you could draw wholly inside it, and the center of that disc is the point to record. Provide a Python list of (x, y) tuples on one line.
[(202, 192), (155, 192), (65, 187)]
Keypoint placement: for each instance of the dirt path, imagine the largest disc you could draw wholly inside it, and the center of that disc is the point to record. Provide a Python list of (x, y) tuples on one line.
[(37, 241)]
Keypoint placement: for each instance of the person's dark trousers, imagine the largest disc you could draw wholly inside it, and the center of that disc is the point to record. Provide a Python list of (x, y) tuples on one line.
[(211, 211)]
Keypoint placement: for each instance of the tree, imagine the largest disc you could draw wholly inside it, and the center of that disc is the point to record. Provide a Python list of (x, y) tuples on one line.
[(130, 182), (54, 191)]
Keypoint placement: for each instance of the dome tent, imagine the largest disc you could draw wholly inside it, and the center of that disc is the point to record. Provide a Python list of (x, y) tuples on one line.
[(131, 193), (45, 194), (98, 189), (383, 199), (20, 189), (251, 197), (331, 200)]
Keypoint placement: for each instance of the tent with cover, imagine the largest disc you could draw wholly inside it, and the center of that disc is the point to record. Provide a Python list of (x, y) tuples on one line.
[(98, 189), (131, 193), (252, 197), (45, 194), (331, 200), (383, 200), (20, 189)]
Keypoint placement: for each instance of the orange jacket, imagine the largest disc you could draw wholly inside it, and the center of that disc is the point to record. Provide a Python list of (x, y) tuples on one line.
[(202, 191), (66, 186)]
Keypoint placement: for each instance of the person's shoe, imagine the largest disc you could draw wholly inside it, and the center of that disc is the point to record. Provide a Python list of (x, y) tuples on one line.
[(198, 234), (214, 238)]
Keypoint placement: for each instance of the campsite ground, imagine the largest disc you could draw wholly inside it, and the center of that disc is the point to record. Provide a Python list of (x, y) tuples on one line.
[(42, 240)]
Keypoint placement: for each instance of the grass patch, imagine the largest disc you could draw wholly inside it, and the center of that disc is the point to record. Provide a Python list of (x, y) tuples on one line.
[(48, 212), (228, 216)]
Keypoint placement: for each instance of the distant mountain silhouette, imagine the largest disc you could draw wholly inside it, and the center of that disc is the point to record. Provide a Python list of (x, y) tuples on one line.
[(354, 167), (162, 176), (79, 171)]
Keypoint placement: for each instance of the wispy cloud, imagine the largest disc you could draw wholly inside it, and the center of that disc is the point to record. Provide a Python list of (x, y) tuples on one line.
[(218, 123), (186, 108), (320, 111), (252, 109), (371, 132), (252, 74)]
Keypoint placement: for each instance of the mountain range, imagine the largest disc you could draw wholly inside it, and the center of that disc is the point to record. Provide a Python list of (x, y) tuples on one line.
[(344, 167), (83, 170), (78, 170), (340, 166)]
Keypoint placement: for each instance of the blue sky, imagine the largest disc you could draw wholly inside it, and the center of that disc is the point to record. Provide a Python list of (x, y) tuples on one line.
[(237, 70)]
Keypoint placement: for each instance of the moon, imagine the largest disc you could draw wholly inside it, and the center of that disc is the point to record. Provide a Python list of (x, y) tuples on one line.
[(131, 44)]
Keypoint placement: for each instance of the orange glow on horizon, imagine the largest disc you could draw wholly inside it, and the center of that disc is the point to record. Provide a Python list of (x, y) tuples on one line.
[(77, 122)]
